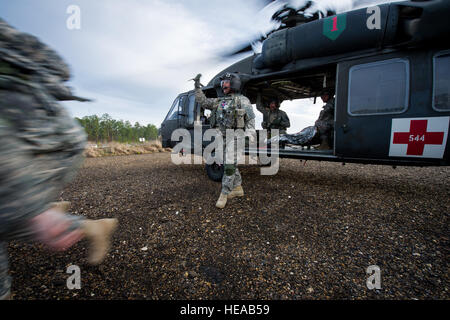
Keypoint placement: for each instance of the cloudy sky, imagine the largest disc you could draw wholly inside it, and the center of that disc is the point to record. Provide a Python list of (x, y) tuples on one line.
[(133, 57)]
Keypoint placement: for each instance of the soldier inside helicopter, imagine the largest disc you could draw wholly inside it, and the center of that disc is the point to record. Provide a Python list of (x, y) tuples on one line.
[(323, 130), (306, 86)]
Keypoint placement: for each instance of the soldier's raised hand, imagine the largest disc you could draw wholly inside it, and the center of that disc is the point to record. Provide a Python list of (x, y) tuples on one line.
[(196, 80)]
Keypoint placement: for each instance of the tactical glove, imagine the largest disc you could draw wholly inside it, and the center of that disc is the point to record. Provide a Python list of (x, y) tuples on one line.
[(196, 80)]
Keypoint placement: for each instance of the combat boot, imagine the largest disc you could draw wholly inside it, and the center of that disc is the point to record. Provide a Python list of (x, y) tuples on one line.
[(98, 233), (222, 201), (61, 205), (324, 146), (236, 192)]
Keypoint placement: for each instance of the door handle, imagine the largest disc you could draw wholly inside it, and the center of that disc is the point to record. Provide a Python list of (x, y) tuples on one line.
[(345, 128)]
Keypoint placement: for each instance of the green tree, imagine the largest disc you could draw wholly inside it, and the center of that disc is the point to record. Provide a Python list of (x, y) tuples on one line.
[(107, 129)]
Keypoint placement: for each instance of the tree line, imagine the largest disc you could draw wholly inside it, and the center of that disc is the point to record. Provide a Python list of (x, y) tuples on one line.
[(106, 129)]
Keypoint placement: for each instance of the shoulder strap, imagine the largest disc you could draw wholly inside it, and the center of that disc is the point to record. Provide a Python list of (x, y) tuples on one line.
[(239, 104)]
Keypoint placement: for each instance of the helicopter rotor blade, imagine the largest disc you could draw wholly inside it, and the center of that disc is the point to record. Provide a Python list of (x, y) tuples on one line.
[(238, 50), (285, 17), (330, 13), (243, 48), (306, 6)]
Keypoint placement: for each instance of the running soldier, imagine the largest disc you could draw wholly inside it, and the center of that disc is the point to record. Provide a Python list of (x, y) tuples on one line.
[(41, 149)]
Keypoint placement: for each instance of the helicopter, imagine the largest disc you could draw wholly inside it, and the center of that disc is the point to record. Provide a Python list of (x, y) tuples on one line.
[(391, 80)]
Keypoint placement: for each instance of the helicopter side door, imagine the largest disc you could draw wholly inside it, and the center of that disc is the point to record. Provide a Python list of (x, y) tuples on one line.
[(370, 92), (385, 109)]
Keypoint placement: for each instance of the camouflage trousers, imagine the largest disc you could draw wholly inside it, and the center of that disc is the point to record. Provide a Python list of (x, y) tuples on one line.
[(231, 177), (325, 128), (40, 150)]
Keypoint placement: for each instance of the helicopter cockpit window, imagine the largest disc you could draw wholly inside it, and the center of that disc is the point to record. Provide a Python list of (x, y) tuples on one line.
[(379, 88), (173, 113), (441, 90)]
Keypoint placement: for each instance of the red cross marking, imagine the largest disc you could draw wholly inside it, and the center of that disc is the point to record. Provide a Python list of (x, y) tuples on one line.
[(418, 137)]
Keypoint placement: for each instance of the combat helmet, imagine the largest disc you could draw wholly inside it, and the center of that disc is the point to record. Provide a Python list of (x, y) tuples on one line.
[(235, 81), (276, 100), (327, 91)]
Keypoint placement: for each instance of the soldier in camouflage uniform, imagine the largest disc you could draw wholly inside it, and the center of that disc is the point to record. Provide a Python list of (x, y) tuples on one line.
[(325, 123), (273, 117), (40, 149), (232, 111), (322, 131)]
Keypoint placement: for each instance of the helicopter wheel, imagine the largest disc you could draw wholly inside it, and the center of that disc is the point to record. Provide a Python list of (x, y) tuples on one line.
[(215, 171)]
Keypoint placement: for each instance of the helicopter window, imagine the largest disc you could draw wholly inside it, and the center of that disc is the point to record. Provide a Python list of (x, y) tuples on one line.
[(173, 113), (191, 106), (379, 88), (441, 90)]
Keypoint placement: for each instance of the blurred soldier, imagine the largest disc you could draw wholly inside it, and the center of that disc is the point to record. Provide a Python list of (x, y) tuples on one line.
[(273, 117), (41, 147), (325, 123), (232, 111)]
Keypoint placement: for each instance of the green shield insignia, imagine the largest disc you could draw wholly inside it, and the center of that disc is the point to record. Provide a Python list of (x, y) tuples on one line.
[(334, 26)]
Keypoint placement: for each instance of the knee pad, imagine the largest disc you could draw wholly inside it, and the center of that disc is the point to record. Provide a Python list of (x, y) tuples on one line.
[(230, 169)]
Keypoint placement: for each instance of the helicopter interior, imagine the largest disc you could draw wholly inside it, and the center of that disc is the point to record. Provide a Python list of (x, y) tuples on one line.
[(304, 85), (307, 84)]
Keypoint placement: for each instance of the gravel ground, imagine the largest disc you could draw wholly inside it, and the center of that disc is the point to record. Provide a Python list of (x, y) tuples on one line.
[(308, 232)]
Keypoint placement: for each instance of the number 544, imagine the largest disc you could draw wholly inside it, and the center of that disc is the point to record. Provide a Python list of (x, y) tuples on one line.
[(416, 138)]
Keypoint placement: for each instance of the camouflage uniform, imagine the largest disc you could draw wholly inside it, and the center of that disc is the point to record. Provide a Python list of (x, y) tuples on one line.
[(322, 131), (308, 136), (225, 116), (40, 143), (276, 119), (325, 123)]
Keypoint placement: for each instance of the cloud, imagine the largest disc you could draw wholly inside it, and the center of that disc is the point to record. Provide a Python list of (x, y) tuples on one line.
[(156, 40), (133, 57), (152, 49)]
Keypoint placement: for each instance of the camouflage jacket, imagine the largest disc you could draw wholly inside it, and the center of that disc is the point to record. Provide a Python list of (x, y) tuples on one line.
[(276, 119), (40, 143), (325, 121), (233, 111)]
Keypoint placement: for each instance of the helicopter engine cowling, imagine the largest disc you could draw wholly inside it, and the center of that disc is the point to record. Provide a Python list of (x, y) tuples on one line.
[(404, 23), (310, 39)]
